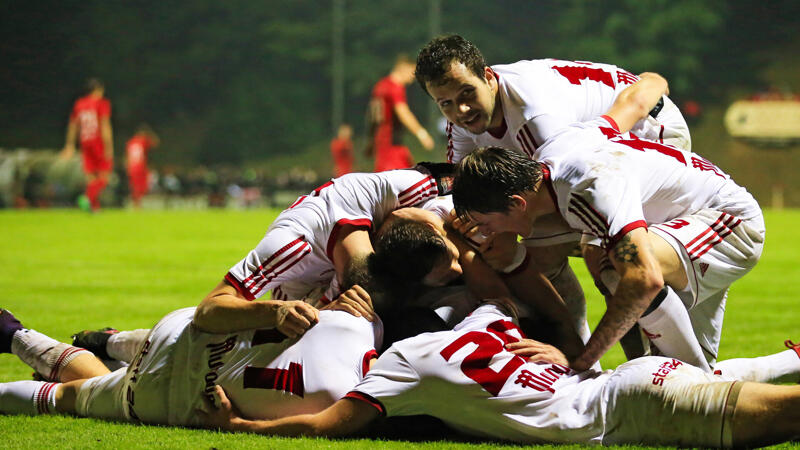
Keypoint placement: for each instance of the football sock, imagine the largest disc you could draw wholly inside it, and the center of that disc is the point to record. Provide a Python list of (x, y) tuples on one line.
[(124, 346), (783, 367), (28, 397), (668, 326), (44, 354), (93, 191)]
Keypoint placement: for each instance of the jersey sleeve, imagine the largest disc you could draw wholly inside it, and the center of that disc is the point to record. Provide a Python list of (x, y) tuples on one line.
[(412, 187), (389, 386), (280, 256), (459, 143)]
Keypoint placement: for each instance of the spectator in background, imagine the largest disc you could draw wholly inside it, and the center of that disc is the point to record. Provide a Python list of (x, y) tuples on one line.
[(342, 151), (91, 116), (136, 150), (387, 111)]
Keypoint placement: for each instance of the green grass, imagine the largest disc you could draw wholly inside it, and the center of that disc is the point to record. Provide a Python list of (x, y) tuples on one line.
[(63, 271)]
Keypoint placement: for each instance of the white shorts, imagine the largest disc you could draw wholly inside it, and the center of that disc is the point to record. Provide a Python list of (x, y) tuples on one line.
[(663, 401), (103, 397)]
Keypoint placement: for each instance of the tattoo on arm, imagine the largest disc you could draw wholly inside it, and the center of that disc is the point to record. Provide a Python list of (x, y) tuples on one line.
[(626, 251)]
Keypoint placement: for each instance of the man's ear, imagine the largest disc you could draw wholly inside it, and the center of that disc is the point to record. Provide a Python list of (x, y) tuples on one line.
[(489, 77), (517, 202)]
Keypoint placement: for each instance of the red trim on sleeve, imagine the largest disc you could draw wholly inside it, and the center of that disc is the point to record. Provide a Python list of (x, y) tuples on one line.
[(611, 122), (519, 268), (238, 286), (625, 230), (368, 399), (358, 223), (368, 357), (549, 183)]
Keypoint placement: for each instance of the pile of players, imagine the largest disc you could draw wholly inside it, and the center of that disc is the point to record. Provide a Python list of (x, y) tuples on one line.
[(549, 156)]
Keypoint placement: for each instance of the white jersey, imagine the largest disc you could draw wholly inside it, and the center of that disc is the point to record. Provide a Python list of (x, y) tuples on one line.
[(466, 378), (608, 187), (265, 374), (540, 97), (295, 257)]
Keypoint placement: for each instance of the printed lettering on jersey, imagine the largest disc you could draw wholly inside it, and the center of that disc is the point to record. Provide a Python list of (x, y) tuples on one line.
[(706, 166), (625, 77), (542, 381), (216, 352), (663, 370), (576, 73), (88, 124)]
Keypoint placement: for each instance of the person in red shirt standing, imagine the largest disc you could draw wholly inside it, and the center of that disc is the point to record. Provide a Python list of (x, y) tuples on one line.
[(342, 151), (90, 122), (136, 150), (388, 110)]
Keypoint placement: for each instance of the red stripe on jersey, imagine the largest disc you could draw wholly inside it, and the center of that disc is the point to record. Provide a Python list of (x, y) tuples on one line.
[(273, 256), (291, 260), (337, 228), (661, 135), (592, 227), (576, 74), (315, 192), (625, 230), (528, 133), (611, 122), (297, 202), (324, 299), (368, 399), (591, 209), (450, 146), (421, 196), (524, 144), (286, 380), (595, 222), (236, 284), (368, 357), (411, 193)]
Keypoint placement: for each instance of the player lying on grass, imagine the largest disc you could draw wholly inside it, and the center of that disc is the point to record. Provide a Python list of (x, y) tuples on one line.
[(476, 379), (677, 229), (268, 374)]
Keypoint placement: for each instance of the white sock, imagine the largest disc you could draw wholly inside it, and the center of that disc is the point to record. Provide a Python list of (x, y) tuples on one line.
[(44, 354), (670, 329), (124, 346), (28, 397), (783, 367)]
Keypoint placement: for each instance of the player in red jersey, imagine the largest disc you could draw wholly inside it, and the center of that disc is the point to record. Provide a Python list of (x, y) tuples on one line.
[(136, 150), (342, 151), (387, 111), (90, 121)]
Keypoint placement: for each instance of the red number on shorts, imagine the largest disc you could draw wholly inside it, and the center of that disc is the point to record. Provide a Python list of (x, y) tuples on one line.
[(476, 364), (676, 224), (642, 145)]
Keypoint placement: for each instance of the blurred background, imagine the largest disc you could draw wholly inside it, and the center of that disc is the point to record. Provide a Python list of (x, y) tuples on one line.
[(246, 96)]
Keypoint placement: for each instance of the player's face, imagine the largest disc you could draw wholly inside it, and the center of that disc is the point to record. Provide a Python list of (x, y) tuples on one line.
[(465, 99), (446, 268), (498, 222)]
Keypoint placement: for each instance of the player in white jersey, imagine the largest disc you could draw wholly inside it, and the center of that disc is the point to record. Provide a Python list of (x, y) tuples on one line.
[(675, 227), (268, 374), (518, 106), (476, 378), (309, 250)]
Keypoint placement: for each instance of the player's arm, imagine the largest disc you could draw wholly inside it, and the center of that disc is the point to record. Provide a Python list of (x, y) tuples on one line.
[(640, 281), (108, 138), (407, 118), (635, 102), (350, 252), (69, 141), (345, 417), (224, 310)]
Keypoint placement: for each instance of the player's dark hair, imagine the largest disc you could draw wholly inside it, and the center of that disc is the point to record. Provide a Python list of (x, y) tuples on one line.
[(406, 322), (93, 84), (405, 253), (434, 60), (486, 179)]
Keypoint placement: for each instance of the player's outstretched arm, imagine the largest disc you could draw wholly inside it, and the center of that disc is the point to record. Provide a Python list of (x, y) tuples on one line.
[(69, 141), (640, 281), (635, 102), (409, 120), (345, 417), (225, 311)]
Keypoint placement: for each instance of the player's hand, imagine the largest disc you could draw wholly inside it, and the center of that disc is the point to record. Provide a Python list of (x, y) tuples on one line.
[(469, 230), (537, 351), (219, 412), (355, 301), (67, 152), (294, 317)]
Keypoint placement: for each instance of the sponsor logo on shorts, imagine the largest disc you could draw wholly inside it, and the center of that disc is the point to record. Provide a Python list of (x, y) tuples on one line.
[(664, 370)]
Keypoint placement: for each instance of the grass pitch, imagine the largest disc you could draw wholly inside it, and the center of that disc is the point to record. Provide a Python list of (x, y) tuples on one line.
[(63, 271)]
